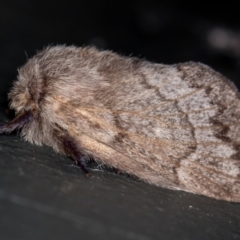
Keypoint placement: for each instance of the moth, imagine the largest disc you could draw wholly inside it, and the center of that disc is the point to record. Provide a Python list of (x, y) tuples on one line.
[(175, 126)]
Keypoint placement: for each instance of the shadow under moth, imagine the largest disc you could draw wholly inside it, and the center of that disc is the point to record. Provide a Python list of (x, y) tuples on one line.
[(175, 126)]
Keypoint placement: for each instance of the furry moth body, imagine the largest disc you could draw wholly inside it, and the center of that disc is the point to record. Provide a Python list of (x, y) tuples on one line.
[(175, 126)]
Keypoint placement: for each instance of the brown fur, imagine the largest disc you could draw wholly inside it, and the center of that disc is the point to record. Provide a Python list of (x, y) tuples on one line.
[(173, 126)]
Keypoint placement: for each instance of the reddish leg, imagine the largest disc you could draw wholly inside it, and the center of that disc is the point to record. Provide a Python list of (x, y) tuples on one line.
[(64, 139), (71, 148), (17, 123)]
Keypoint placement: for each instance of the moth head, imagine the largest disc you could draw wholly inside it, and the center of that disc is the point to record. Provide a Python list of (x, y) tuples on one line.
[(25, 91)]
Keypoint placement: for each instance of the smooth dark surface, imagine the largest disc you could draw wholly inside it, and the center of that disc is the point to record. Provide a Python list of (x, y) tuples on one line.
[(42, 194)]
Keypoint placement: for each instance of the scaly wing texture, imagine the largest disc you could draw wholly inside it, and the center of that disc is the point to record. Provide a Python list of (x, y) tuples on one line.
[(173, 126)]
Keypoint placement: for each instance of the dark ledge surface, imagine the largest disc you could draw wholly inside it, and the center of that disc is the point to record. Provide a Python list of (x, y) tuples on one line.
[(44, 196)]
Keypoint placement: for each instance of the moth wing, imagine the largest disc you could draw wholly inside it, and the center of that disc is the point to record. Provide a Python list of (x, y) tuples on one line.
[(173, 126)]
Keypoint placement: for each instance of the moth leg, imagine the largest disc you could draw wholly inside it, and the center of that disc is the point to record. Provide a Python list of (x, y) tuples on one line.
[(17, 123), (116, 171), (71, 148)]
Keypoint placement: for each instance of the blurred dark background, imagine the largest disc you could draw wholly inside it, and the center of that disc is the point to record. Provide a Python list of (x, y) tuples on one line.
[(42, 195), (165, 32)]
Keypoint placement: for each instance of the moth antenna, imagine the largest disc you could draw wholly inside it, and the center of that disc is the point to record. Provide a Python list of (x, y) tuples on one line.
[(17, 123), (71, 148), (26, 55)]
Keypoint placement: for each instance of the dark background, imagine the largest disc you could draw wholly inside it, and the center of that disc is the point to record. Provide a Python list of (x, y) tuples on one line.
[(42, 194)]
